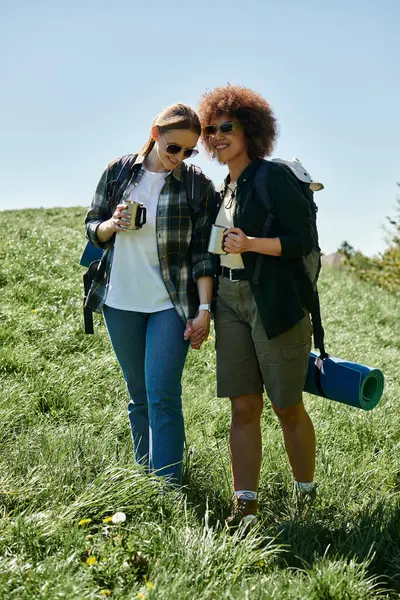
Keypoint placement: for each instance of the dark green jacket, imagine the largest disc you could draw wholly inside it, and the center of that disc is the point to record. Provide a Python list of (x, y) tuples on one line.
[(284, 291)]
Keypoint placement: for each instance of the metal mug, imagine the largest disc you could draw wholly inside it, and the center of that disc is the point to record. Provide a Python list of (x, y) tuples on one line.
[(137, 212), (217, 239)]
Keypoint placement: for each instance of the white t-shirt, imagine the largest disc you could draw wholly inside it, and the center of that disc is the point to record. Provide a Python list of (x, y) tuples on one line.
[(135, 281), (225, 218)]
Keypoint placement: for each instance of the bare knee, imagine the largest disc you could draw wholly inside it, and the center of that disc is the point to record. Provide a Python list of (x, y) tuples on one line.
[(246, 409), (291, 416)]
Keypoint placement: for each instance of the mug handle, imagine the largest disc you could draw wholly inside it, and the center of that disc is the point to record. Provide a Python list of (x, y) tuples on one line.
[(223, 241), (141, 214)]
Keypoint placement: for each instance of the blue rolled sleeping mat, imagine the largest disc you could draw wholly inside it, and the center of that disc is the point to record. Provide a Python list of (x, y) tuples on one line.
[(344, 381)]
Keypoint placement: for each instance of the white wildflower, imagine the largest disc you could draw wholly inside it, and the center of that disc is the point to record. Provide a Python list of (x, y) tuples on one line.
[(119, 517)]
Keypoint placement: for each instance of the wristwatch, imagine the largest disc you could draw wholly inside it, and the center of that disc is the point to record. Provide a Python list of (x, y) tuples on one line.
[(205, 307)]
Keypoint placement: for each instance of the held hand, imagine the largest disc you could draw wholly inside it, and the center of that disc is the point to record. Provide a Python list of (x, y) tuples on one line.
[(196, 338), (197, 329), (200, 329), (120, 219), (188, 329), (236, 241)]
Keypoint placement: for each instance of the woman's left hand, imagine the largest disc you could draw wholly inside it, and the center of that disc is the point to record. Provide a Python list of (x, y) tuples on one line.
[(236, 241)]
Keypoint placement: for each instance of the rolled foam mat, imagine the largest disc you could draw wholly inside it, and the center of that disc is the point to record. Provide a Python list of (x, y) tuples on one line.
[(346, 382)]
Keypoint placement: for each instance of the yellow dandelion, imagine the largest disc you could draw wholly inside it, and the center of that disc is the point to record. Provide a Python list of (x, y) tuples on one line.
[(84, 521), (107, 520), (105, 592), (34, 310), (150, 585), (141, 596), (92, 560)]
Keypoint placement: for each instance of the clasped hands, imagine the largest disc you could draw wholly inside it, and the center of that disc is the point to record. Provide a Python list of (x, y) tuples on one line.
[(197, 329)]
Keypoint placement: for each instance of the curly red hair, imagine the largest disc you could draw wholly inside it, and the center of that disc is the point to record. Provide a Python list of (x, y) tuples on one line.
[(249, 108)]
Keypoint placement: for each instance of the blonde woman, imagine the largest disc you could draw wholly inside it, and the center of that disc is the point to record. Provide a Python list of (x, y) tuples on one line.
[(155, 281)]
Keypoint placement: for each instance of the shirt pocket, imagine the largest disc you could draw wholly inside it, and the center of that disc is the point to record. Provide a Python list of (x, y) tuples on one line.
[(180, 229)]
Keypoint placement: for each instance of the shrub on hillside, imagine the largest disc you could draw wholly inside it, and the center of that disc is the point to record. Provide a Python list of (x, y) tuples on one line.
[(384, 269)]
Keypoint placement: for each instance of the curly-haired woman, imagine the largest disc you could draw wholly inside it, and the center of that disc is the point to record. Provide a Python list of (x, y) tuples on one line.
[(262, 323)]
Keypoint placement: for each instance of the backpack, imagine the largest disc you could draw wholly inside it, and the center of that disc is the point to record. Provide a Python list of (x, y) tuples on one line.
[(311, 263), (122, 173)]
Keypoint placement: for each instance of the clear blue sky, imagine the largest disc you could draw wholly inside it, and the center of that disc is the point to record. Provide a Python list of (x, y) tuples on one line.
[(81, 81)]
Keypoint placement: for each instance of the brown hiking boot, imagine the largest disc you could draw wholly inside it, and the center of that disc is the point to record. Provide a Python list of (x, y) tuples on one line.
[(244, 512)]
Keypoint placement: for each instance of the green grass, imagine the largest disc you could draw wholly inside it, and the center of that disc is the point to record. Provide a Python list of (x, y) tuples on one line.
[(66, 455)]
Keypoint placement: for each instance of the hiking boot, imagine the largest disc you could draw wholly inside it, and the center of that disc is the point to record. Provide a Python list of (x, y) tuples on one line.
[(244, 512)]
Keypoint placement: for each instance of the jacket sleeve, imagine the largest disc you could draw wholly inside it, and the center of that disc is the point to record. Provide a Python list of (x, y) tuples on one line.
[(294, 214), (98, 211), (201, 260)]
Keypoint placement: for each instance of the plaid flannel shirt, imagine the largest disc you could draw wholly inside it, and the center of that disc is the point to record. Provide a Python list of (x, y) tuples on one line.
[(182, 236)]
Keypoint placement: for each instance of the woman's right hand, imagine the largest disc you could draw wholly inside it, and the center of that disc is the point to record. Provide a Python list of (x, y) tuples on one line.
[(118, 222), (120, 219)]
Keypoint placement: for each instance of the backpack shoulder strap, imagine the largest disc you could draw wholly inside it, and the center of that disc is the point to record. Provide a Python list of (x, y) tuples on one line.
[(121, 173), (261, 189), (87, 312), (260, 186), (318, 330)]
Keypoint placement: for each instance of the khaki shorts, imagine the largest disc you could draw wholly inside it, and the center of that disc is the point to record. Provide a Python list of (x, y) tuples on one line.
[(247, 360)]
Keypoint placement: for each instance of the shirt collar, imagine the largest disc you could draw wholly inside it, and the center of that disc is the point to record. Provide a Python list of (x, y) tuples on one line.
[(177, 173), (139, 159), (248, 172)]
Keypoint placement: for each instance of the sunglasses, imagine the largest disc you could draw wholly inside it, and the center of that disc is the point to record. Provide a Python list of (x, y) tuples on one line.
[(228, 127), (176, 148)]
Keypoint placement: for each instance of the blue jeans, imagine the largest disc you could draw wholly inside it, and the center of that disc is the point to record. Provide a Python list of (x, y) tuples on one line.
[(151, 352)]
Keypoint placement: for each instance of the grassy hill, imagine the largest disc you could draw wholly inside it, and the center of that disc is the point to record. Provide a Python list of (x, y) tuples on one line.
[(66, 458)]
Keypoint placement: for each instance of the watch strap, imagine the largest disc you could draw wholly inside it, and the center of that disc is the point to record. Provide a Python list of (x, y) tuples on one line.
[(205, 307)]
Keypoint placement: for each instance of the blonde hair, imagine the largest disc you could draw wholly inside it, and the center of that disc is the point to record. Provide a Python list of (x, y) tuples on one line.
[(177, 116)]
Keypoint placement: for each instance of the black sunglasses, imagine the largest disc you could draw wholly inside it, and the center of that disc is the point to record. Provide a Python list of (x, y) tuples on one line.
[(176, 148), (228, 127)]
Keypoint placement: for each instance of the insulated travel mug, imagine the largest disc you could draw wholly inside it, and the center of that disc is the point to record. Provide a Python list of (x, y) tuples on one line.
[(217, 239), (138, 212)]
